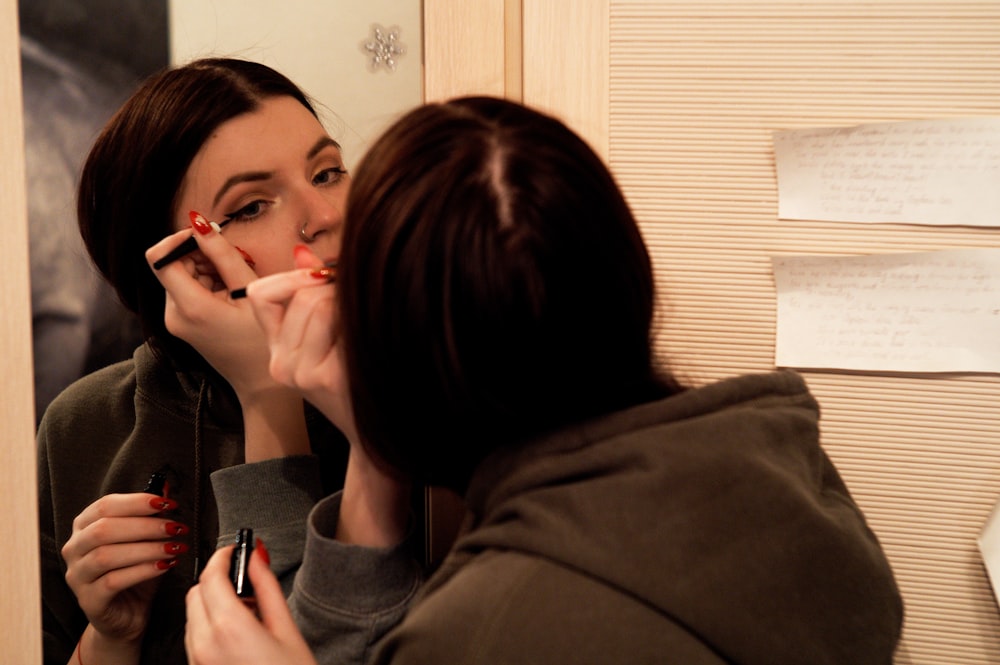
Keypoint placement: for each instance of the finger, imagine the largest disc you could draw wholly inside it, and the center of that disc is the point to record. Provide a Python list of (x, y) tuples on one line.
[(110, 530), (218, 595), (270, 296), (161, 249), (230, 263), (119, 556), (271, 603), (135, 504)]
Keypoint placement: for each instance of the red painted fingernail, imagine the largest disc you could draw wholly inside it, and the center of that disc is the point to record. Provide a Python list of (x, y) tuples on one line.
[(199, 223), (162, 503), (175, 548), (166, 564), (323, 273), (247, 257), (262, 551), (302, 249), (176, 529)]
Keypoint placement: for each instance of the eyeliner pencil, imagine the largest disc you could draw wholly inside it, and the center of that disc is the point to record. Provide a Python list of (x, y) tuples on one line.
[(183, 249)]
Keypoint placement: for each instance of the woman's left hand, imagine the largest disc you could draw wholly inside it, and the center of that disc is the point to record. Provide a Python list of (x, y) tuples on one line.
[(221, 630)]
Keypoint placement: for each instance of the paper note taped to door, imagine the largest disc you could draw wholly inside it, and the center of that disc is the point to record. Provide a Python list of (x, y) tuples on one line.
[(915, 312), (939, 172)]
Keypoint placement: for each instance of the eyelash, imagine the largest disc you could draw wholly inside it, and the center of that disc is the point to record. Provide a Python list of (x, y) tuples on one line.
[(254, 209)]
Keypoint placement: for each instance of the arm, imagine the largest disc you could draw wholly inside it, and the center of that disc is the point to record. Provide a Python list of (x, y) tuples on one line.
[(225, 333)]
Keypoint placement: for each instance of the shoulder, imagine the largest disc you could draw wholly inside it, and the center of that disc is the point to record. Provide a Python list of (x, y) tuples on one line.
[(516, 607), (93, 397)]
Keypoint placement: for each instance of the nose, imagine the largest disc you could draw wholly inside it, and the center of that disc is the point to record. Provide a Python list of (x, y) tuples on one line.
[(323, 214)]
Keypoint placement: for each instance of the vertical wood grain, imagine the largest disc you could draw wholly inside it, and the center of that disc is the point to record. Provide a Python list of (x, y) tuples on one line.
[(20, 608)]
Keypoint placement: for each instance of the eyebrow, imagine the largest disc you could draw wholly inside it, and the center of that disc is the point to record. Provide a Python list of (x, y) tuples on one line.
[(252, 176)]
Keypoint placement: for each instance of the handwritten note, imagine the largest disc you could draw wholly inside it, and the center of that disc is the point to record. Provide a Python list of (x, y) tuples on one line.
[(938, 172), (923, 312)]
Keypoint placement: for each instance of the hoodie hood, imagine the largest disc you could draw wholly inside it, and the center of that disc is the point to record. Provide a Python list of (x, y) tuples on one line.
[(718, 508)]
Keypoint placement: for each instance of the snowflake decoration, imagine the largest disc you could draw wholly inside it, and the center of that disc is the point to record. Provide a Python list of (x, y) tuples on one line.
[(383, 48)]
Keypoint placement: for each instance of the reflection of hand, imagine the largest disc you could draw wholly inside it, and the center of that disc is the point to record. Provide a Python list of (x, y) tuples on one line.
[(118, 550), (222, 630), (296, 310), (199, 310), (225, 333)]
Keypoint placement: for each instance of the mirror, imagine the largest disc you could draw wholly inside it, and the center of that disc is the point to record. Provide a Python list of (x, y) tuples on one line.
[(77, 68), (463, 52)]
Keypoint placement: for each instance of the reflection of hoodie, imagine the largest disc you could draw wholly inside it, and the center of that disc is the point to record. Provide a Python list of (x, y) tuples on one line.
[(107, 433), (706, 528)]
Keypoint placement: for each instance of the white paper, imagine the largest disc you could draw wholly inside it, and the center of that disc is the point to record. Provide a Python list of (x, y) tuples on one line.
[(923, 312), (989, 548), (938, 172)]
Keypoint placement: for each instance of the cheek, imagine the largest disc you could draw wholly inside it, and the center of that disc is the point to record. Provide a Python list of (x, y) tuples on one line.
[(268, 257)]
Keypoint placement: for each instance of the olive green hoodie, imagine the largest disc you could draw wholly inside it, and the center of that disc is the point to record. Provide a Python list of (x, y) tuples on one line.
[(107, 433), (703, 529)]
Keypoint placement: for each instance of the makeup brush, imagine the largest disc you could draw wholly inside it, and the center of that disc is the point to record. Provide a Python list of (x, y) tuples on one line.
[(188, 245), (329, 271)]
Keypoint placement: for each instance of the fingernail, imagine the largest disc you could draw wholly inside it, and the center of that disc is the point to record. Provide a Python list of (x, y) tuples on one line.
[(247, 257), (301, 249), (323, 273), (162, 503), (175, 548), (262, 551), (166, 564), (175, 529), (199, 223)]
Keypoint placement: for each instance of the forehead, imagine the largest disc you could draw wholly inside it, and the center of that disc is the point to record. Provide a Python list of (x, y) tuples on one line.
[(279, 124)]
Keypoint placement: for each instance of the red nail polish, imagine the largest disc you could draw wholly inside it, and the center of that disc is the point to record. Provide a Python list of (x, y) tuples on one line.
[(323, 273), (247, 257), (199, 223), (175, 529), (262, 551), (175, 548), (162, 503), (166, 564)]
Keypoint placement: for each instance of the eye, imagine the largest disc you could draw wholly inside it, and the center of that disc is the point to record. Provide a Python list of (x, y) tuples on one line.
[(249, 212), (330, 176)]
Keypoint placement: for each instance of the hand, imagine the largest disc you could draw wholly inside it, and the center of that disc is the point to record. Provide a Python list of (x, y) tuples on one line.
[(199, 310), (226, 334), (222, 630), (297, 312), (118, 550)]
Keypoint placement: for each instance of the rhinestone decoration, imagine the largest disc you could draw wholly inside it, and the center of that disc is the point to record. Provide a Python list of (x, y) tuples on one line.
[(383, 48)]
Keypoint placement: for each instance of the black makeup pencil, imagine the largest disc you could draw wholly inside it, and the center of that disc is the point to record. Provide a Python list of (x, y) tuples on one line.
[(187, 246)]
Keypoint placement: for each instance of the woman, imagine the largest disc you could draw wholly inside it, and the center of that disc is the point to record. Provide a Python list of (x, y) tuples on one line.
[(214, 140), (495, 296)]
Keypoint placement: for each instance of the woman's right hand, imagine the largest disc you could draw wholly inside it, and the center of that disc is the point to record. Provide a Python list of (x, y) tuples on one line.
[(119, 548)]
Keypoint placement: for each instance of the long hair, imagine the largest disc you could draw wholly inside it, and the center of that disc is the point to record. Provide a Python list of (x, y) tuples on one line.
[(132, 177), (494, 286)]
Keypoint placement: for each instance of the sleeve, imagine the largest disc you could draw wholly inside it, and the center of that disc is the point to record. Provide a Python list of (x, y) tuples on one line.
[(346, 597), (273, 498), (62, 619)]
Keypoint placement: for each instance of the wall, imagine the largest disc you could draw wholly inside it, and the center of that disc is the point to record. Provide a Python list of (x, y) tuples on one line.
[(319, 46)]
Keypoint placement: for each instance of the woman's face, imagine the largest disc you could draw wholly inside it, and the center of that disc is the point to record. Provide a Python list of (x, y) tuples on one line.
[(274, 170)]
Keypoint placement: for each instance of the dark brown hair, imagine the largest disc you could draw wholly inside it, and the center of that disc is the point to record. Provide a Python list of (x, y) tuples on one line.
[(132, 176), (494, 286)]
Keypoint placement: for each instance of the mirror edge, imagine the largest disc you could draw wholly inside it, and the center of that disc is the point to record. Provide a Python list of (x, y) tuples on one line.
[(20, 604)]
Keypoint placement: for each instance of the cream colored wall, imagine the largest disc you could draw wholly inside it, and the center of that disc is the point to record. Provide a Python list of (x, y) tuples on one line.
[(318, 45), (20, 613)]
